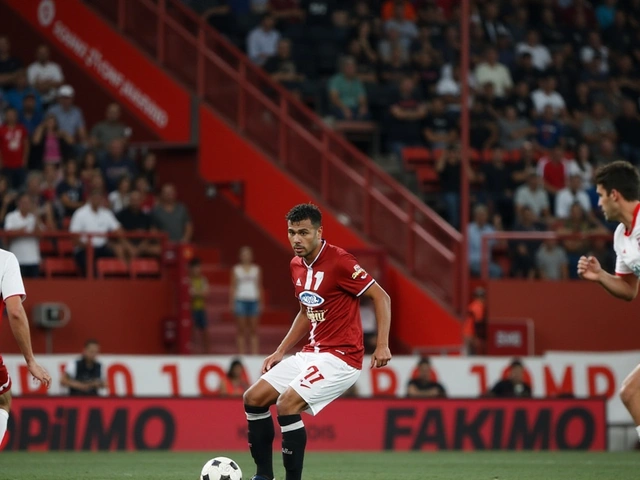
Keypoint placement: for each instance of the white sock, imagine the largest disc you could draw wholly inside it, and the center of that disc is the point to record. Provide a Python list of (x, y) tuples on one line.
[(638, 430), (4, 418)]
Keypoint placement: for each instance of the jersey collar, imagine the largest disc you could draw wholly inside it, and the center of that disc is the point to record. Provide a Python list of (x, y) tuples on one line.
[(324, 244), (633, 222)]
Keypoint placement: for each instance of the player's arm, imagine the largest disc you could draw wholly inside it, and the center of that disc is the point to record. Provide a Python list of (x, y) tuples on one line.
[(624, 287), (382, 307), (20, 326)]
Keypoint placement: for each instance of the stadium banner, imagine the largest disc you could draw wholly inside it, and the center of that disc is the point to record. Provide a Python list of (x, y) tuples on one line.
[(76, 423), (556, 374), (114, 63)]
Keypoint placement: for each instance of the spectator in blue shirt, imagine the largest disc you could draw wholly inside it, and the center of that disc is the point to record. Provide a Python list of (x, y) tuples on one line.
[(549, 130), (477, 229), (30, 116), (69, 116), (15, 96), (116, 164)]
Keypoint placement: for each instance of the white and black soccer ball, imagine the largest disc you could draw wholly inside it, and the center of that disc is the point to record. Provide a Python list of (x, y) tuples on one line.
[(221, 468)]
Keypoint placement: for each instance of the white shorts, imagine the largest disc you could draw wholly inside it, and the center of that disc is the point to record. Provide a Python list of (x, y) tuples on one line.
[(319, 378)]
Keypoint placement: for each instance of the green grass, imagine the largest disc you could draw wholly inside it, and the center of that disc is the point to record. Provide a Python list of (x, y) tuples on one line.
[(330, 466)]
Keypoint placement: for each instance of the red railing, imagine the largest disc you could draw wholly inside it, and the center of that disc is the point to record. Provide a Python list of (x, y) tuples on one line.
[(530, 236), (297, 140)]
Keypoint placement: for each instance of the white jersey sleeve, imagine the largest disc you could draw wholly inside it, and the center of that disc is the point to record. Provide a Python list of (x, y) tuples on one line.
[(618, 245), (11, 283)]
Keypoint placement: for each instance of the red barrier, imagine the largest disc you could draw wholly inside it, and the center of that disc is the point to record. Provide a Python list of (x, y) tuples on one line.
[(199, 424)]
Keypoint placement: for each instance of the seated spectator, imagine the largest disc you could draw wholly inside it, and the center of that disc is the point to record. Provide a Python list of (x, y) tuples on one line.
[(51, 176), (406, 29), (236, 382), (262, 41), (582, 165), (148, 169), (506, 51), (474, 329), (491, 24), (548, 130), (94, 218), (546, 96), (490, 71), (554, 170), (514, 130), (119, 198), (390, 7), (497, 186), (85, 376), (134, 220), (422, 385), (595, 48), (483, 130), (347, 94), (606, 153), (89, 168), (51, 145), (27, 248), (69, 116), (111, 128), (579, 103), (522, 252), (15, 97), (514, 385), (140, 184), (571, 194), (45, 76), (521, 100), (449, 89), (626, 75), (29, 115), (628, 127), (439, 130), (551, 32), (477, 229), (171, 216), (527, 162), (282, 67), (9, 65), (427, 72), (552, 261), (366, 59), (14, 148), (116, 163), (533, 196), (396, 68), (594, 76), (362, 14), (70, 190), (519, 24), (540, 56), (406, 115), (43, 208), (286, 12), (525, 72), (7, 198), (448, 168), (565, 73), (598, 126)]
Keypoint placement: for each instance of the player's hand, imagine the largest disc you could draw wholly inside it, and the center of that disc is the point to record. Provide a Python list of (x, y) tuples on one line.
[(271, 361), (380, 357), (589, 268), (39, 374)]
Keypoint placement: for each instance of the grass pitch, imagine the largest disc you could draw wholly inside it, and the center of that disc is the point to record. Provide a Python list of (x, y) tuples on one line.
[(330, 466)]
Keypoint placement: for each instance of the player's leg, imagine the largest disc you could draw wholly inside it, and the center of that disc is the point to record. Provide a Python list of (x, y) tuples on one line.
[(5, 398), (257, 400), (252, 332), (241, 323), (630, 395), (324, 378)]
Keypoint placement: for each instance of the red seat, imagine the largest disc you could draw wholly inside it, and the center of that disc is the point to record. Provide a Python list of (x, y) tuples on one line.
[(145, 267), (65, 247), (428, 179), (414, 156), (108, 267), (59, 266), (47, 248), (515, 155)]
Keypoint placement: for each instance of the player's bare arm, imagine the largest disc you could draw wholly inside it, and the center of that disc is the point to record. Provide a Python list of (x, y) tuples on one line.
[(20, 328), (624, 287), (299, 328), (382, 306)]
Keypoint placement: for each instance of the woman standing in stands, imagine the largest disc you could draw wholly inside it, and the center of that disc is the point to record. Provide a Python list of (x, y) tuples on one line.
[(246, 299)]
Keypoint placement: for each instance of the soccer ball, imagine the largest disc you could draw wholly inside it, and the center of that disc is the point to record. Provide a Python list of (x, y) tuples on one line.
[(221, 468)]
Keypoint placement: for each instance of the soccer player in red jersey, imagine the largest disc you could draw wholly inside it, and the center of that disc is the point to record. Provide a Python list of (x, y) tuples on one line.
[(13, 294), (618, 187), (328, 283)]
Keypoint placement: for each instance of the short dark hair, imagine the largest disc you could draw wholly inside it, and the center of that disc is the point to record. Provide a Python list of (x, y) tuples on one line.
[(621, 176), (305, 211), (516, 362), (91, 341), (424, 361)]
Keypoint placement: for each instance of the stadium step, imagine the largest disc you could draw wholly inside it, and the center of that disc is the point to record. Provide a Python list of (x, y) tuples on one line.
[(223, 338)]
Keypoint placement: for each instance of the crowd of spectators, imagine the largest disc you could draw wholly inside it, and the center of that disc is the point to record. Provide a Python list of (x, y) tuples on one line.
[(58, 174), (554, 94)]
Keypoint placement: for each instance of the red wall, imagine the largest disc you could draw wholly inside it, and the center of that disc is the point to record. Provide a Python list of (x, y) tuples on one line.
[(124, 315), (225, 156), (568, 315)]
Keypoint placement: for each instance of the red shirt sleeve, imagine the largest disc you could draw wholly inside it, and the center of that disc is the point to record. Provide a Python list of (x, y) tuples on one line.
[(352, 277)]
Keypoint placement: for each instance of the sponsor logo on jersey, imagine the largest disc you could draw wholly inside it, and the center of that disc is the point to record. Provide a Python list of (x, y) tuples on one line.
[(298, 283), (358, 271), (316, 315), (310, 299)]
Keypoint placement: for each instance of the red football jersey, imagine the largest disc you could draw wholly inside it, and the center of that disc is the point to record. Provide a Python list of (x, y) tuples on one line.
[(329, 288), (12, 145)]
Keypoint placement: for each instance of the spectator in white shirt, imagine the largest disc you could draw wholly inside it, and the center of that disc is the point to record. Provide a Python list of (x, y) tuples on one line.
[(27, 248), (532, 195), (491, 71), (45, 75), (547, 95), (593, 48), (262, 41), (94, 218), (540, 55), (570, 195)]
